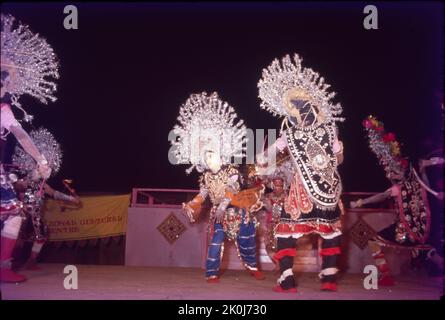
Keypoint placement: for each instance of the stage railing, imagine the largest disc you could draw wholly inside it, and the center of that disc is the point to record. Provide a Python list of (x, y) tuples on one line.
[(173, 198), (159, 198)]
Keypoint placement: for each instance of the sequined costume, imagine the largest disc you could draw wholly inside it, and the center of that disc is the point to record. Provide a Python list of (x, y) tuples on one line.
[(208, 138), (10, 207), (32, 203), (274, 204), (27, 67), (310, 139), (238, 224), (412, 222), (35, 228), (34, 188), (312, 203)]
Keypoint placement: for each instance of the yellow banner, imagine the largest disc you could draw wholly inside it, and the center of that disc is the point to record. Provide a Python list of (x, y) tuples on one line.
[(99, 217)]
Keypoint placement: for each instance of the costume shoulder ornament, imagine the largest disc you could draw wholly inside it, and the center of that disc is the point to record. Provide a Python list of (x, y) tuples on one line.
[(47, 146), (285, 79), (28, 63), (207, 124)]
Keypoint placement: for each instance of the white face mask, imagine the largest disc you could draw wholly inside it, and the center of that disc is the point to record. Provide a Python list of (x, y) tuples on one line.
[(213, 161)]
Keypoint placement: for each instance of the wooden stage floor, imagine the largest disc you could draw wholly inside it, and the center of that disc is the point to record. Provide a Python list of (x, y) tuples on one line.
[(155, 283)]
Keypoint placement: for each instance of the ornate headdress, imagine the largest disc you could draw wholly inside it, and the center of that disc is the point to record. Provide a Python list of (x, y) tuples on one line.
[(288, 80), (385, 146), (207, 124), (28, 63), (47, 146)]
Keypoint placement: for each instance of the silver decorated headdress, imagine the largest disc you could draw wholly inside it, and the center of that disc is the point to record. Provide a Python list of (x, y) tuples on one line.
[(47, 146), (30, 61), (206, 123), (281, 80)]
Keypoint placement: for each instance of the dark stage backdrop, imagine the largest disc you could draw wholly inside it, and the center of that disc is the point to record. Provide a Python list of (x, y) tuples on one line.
[(127, 69)]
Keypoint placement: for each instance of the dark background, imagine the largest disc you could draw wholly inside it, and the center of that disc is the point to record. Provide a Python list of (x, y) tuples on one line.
[(128, 68)]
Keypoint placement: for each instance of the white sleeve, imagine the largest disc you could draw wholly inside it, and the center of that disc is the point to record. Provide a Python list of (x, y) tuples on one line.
[(232, 183), (203, 192), (7, 118), (281, 143), (337, 146)]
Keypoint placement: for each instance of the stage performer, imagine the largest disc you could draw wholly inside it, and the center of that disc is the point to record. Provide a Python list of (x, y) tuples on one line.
[(27, 66), (32, 189), (274, 206), (309, 136), (208, 138), (408, 191)]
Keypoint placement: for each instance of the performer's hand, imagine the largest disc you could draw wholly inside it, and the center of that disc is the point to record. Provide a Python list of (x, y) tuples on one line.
[(263, 171), (219, 216), (188, 211), (261, 161), (354, 204), (422, 165), (440, 195), (438, 160), (75, 200), (44, 170)]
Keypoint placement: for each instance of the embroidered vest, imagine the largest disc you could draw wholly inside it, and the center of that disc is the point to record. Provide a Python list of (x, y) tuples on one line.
[(311, 150)]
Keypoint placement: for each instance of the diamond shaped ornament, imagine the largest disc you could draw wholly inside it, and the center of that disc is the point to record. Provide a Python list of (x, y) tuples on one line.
[(361, 232), (171, 228)]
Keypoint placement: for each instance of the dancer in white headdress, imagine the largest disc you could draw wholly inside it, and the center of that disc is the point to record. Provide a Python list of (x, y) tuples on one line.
[(208, 138), (33, 188), (28, 66)]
